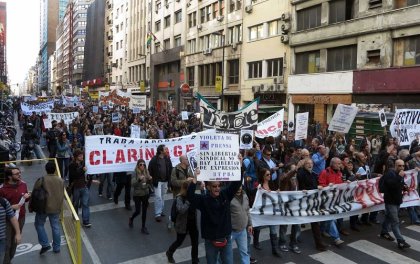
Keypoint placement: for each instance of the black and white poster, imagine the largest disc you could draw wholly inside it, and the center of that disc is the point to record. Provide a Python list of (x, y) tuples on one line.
[(406, 125), (246, 139), (382, 117)]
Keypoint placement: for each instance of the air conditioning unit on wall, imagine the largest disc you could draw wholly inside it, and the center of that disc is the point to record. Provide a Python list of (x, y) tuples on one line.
[(255, 88), (248, 9)]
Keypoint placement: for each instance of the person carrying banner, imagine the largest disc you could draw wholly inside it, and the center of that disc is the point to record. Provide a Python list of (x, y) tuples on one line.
[(123, 180), (319, 159), (180, 173), (216, 226), (160, 168), (328, 177), (308, 180)]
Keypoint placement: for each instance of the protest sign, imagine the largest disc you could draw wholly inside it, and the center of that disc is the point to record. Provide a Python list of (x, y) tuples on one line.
[(192, 157), (339, 201), (301, 126), (135, 131), (382, 117), (66, 117), (271, 126), (29, 108), (247, 138), (406, 125), (95, 109), (184, 115), (115, 118), (104, 107), (138, 101), (106, 154), (231, 122), (116, 97), (98, 129), (218, 157), (47, 123), (343, 118), (136, 110)]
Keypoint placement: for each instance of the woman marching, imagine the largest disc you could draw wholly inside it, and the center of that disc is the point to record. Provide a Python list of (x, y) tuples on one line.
[(186, 222), (141, 184)]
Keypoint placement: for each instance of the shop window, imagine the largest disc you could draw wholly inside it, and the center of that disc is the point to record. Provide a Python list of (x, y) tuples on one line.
[(307, 62), (342, 58), (309, 18), (341, 10)]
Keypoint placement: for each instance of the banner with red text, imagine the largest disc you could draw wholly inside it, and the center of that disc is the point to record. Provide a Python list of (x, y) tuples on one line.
[(271, 126), (338, 201), (105, 154)]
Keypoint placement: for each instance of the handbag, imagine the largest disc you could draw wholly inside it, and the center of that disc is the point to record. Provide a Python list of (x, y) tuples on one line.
[(219, 243)]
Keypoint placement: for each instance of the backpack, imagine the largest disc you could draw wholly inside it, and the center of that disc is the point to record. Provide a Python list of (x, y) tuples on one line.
[(38, 200), (174, 211), (381, 185)]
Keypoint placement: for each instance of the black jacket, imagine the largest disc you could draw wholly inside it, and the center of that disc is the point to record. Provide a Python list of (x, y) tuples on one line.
[(215, 211), (306, 180), (154, 170), (394, 185)]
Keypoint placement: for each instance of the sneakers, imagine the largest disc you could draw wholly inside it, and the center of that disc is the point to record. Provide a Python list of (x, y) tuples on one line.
[(403, 244), (44, 249), (338, 242), (284, 248), (170, 257), (344, 232), (144, 231), (295, 249), (87, 224), (130, 222), (325, 234), (387, 237), (100, 195), (252, 260)]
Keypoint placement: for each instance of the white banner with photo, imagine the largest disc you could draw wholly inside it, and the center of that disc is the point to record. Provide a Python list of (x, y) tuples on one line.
[(246, 139), (302, 126), (134, 131), (67, 117), (138, 101), (339, 201), (39, 108), (406, 125), (271, 126), (343, 118)]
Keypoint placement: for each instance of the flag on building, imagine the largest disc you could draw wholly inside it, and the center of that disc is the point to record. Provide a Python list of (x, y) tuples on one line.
[(150, 37)]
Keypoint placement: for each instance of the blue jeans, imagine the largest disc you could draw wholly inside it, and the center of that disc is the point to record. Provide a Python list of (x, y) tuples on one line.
[(82, 195), (213, 253), (241, 240), (63, 165), (55, 229), (293, 235), (413, 214), (331, 228), (2, 248), (38, 152), (105, 177), (391, 219), (160, 191)]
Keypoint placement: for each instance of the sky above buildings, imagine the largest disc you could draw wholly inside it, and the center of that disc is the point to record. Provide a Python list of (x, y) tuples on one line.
[(22, 38)]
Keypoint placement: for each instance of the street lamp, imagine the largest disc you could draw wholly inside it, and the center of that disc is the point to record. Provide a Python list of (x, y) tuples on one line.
[(223, 65)]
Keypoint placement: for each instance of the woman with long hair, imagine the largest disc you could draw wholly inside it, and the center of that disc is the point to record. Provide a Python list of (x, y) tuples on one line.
[(141, 184), (185, 222), (63, 154)]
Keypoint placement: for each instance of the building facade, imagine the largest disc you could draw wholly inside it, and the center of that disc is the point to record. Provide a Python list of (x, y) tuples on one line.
[(3, 47)]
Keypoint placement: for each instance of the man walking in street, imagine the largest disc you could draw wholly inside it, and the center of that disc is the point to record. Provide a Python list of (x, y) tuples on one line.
[(393, 188), (54, 186), (15, 191), (160, 168), (7, 215)]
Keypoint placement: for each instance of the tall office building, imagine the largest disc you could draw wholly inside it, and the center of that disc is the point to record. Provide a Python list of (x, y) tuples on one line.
[(3, 56)]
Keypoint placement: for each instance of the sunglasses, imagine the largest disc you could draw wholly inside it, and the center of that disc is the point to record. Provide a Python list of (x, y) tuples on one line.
[(215, 186), (267, 174), (142, 164)]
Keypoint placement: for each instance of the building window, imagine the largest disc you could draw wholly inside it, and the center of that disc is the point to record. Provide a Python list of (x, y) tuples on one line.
[(190, 73), (255, 32), (231, 5), (158, 5), (233, 71), (192, 19), (157, 47), (203, 15), (254, 69), (309, 18), (191, 45), (275, 67), (342, 58), (341, 10), (208, 72), (307, 62), (238, 4), (413, 2), (167, 21), (166, 44), (208, 13), (274, 28), (178, 16), (157, 26), (411, 50), (177, 41), (215, 9)]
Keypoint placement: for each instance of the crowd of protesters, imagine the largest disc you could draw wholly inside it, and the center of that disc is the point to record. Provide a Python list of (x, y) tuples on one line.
[(273, 164)]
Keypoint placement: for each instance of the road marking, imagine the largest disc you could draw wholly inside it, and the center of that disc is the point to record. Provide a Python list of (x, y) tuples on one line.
[(92, 253), (381, 253), (414, 228), (329, 257)]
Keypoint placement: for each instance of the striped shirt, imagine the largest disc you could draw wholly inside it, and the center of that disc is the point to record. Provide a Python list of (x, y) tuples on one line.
[(5, 212)]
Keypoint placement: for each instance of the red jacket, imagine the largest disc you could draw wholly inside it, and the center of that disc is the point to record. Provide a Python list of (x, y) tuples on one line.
[(13, 193), (328, 176)]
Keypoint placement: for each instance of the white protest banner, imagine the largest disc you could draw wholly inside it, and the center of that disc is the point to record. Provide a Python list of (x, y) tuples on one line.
[(382, 117), (247, 138), (95, 109), (47, 123), (135, 131), (271, 126), (406, 125), (231, 122), (218, 157), (67, 117), (115, 118), (113, 154), (339, 201), (138, 101), (301, 126), (343, 118), (184, 115), (136, 110), (29, 108), (192, 159)]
